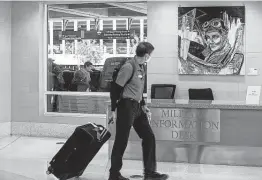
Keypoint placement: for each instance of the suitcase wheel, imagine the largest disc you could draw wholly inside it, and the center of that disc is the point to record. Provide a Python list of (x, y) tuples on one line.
[(77, 176), (50, 170), (63, 177)]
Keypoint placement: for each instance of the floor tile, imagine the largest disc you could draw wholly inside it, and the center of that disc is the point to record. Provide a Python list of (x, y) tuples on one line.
[(5, 141), (5, 175), (26, 158), (37, 148)]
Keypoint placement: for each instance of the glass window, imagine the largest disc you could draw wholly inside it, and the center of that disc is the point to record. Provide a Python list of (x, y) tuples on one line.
[(74, 40), (57, 43), (69, 44), (121, 24), (92, 25), (121, 45), (69, 26), (81, 25), (145, 29), (108, 25), (77, 104), (135, 31)]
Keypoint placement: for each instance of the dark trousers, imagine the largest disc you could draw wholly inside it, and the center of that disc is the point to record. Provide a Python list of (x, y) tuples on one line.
[(130, 113)]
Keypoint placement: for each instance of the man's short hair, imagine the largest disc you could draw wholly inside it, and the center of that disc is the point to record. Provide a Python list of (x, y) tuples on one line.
[(144, 48), (87, 64)]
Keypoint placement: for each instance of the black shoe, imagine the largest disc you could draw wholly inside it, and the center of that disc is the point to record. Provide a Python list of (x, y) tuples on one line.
[(119, 177), (155, 176)]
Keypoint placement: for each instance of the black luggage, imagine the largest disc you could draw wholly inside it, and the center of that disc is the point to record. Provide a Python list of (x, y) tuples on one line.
[(78, 151)]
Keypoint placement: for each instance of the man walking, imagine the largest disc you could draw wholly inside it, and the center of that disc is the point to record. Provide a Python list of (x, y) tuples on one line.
[(132, 111)]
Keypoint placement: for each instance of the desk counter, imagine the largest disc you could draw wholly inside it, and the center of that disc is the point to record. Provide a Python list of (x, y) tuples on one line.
[(209, 132), (218, 104)]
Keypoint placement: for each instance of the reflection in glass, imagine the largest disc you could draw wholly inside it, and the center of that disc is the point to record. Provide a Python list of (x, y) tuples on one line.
[(109, 46), (135, 31), (57, 43), (65, 57), (70, 47), (121, 47), (55, 79), (77, 104)]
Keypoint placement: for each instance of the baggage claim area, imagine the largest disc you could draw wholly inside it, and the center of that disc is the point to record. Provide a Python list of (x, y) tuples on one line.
[(202, 87)]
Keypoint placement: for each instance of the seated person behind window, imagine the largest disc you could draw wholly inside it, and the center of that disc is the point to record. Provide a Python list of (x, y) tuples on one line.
[(82, 77), (55, 75), (55, 82)]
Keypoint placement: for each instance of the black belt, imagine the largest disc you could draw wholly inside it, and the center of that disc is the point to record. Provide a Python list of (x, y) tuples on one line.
[(131, 99)]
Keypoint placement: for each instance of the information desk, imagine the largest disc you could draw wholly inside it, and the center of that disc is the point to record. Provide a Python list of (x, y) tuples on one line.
[(208, 132)]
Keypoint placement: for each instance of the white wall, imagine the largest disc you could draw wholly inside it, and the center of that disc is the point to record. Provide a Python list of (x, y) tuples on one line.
[(163, 31), (5, 64)]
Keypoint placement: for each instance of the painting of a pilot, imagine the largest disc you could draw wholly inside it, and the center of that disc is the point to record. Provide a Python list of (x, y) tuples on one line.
[(211, 46)]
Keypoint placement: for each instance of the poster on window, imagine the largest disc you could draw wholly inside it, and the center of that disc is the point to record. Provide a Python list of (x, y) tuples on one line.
[(211, 40)]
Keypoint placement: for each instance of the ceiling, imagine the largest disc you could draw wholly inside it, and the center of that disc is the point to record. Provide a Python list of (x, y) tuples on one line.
[(98, 10)]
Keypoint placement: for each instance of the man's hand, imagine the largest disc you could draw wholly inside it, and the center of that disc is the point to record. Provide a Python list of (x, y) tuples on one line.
[(112, 118), (147, 111)]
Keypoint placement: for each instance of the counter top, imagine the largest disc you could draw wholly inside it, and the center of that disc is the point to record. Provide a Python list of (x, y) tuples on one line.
[(216, 104)]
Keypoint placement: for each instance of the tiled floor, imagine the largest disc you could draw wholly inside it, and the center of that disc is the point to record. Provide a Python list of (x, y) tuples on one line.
[(26, 158)]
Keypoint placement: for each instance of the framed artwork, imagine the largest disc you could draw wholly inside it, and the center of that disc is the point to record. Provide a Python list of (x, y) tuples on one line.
[(211, 40)]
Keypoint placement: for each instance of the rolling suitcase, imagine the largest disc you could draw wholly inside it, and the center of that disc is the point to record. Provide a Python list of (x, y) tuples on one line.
[(78, 151)]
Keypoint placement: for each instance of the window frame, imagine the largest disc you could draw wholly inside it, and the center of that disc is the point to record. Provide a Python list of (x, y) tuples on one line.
[(43, 56)]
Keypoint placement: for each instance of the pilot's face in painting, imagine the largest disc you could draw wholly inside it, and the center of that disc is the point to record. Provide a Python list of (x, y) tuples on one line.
[(214, 40), (215, 33)]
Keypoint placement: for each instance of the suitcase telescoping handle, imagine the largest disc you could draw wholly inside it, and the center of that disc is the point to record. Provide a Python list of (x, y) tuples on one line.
[(111, 120), (100, 132)]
